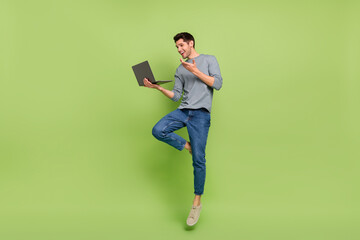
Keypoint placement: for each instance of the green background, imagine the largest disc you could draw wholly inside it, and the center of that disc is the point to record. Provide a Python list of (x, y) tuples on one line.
[(77, 158)]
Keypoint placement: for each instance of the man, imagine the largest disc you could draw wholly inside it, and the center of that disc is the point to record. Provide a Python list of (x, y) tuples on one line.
[(196, 78)]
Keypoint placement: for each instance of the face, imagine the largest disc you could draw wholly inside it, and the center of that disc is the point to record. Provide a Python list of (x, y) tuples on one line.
[(184, 48)]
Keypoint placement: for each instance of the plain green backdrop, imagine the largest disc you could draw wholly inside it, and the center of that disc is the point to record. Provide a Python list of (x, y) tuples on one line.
[(77, 158)]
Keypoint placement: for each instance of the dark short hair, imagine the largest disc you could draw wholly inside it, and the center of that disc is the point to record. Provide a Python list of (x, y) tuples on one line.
[(187, 37)]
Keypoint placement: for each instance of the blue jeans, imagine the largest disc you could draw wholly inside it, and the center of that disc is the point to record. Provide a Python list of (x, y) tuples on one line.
[(197, 122)]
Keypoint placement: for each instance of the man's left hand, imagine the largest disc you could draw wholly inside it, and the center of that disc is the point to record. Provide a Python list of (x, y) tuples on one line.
[(189, 66)]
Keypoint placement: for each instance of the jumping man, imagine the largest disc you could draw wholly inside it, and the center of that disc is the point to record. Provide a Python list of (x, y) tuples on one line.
[(195, 79)]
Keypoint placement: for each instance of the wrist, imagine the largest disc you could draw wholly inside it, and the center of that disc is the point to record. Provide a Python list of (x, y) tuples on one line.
[(196, 72)]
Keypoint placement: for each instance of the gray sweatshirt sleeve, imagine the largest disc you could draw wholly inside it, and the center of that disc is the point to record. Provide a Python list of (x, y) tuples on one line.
[(214, 71), (178, 88)]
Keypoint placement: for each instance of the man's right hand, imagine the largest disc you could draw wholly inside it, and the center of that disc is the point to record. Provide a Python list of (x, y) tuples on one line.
[(166, 92), (148, 84)]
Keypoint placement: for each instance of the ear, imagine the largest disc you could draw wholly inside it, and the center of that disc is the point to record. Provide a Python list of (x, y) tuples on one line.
[(191, 43)]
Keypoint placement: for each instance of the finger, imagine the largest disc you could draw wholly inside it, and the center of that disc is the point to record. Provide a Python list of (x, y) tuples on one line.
[(193, 61)]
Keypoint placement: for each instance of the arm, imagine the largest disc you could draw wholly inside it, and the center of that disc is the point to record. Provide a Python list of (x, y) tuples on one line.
[(166, 92), (175, 94), (208, 80), (214, 80)]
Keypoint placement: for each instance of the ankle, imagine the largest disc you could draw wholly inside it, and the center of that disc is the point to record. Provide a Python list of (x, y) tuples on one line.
[(187, 146), (196, 202)]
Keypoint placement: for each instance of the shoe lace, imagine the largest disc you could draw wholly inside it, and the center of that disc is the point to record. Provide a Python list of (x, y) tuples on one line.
[(193, 212)]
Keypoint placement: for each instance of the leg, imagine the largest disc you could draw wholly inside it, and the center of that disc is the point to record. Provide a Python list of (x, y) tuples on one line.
[(188, 147), (197, 200), (198, 128), (164, 129)]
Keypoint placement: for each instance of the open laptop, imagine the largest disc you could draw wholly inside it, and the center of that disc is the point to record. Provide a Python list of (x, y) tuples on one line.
[(143, 70)]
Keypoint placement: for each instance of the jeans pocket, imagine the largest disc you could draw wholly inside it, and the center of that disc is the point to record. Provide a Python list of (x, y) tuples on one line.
[(206, 115)]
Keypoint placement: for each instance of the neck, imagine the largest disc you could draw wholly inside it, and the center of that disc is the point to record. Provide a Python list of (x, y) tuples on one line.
[(193, 54)]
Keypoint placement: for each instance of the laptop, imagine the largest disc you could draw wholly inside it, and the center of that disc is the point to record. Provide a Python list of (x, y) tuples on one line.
[(143, 70)]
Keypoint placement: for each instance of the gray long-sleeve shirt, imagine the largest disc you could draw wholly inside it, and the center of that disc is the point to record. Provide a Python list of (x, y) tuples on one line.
[(196, 93)]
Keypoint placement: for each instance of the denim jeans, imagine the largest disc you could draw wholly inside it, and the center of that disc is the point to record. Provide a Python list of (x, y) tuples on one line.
[(197, 122)]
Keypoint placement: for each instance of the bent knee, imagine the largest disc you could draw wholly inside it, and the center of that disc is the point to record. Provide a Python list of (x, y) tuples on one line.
[(157, 132)]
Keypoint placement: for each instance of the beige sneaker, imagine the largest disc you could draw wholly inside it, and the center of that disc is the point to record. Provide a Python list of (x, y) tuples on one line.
[(194, 215)]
